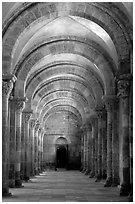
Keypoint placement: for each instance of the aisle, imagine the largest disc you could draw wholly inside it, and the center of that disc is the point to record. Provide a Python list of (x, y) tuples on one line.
[(64, 186)]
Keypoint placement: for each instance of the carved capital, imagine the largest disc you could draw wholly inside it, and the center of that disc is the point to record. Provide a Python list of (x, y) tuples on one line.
[(123, 85), (37, 126), (92, 120), (7, 87), (33, 123), (27, 116), (100, 112), (123, 88), (20, 103), (7, 84), (110, 102)]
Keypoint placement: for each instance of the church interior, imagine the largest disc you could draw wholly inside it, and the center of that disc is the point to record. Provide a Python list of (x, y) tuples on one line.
[(67, 94)]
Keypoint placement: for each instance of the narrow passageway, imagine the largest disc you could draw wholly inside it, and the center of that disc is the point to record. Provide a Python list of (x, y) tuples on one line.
[(64, 186)]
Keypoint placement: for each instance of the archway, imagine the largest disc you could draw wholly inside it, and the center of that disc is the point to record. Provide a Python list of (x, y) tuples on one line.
[(61, 153)]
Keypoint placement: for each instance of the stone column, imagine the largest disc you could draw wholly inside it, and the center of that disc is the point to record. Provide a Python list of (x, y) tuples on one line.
[(109, 103), (12, 145), (104, 145), (19, 105), (42, 135), (36, 147), (115, 144), (131, 139), (39, 149), (22, 173), (89, 148), (92, 173), (7, 86), (124, 152), (100, 115), (27, 114), (32, 126), (84, 150), (96, 147)]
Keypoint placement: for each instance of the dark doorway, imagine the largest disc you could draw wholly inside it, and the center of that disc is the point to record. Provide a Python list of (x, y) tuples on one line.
[(61, 156)]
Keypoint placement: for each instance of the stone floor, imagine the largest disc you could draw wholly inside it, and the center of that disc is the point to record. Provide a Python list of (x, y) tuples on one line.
[(64, 186)]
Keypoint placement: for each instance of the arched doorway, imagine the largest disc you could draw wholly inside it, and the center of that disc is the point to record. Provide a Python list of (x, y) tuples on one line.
[(61, 153)]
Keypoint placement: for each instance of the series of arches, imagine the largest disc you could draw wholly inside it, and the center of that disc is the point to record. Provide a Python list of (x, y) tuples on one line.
[(63, 57)]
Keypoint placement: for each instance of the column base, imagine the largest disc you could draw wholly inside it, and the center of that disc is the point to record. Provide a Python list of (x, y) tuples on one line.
[(87, 172), (98, 178), (18, 184), (32, 174), (115, 182), (36, 172), (5, 192), (104, 176), (11, 183), (108, 182), (39, 170), (83, 170), (26, 178), (130, 196), (124, 189), (92, 174)]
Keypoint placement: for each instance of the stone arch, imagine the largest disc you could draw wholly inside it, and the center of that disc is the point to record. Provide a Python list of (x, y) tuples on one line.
[(65, 47), (61, 141), (91, 12), (63, 108)]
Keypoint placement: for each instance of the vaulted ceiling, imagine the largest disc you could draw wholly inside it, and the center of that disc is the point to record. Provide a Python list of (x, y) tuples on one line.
[(65, 56)]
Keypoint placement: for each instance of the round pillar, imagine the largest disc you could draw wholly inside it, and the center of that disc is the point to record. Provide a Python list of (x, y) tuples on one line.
[(104, 145), (42, 137), (100, 136), (27, 115), (19, 104), (89, 148), (7, 86), (32, 126), (36, 147), (109, 103), (82, 151), (12, 145), (39, 149), (93, 136), (124, 150)]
